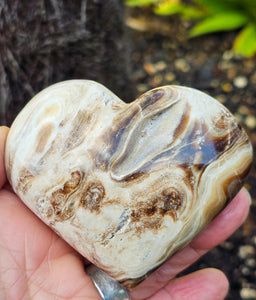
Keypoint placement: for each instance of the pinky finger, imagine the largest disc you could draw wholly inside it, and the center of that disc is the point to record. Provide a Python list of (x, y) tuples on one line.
[(207, 284)]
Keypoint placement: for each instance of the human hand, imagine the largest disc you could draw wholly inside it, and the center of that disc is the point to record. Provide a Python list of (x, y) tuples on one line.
[(37, 264)]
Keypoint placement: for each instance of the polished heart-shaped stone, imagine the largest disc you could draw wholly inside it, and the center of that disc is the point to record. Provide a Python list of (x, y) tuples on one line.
[(126, 185)]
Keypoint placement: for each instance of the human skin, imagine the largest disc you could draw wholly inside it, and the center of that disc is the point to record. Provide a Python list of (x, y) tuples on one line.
[(37, 264)]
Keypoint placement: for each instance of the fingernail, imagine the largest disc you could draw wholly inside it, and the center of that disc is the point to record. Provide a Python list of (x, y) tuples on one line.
[(248, 194)]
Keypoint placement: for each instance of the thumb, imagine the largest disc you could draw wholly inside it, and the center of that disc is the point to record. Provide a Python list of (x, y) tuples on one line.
[(3, 135)]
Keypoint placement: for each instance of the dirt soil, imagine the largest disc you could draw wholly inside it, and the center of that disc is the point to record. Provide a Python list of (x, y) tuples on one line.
[(163, 55)]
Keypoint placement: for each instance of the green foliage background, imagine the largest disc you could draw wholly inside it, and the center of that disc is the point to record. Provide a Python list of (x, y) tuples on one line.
[(213, 16)]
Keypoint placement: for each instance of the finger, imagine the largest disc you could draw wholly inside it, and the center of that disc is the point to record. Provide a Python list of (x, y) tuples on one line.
[(207, 284), (231, 218), (220, 229), (3, 135)]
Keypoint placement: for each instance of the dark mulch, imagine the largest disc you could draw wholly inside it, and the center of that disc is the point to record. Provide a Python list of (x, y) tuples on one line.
[(163, 55)]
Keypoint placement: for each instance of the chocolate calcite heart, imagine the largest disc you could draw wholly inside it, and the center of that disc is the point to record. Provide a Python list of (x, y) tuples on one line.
[(126, 185)]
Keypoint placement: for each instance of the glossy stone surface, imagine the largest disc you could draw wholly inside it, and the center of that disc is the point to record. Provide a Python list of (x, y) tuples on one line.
[(126, 185)]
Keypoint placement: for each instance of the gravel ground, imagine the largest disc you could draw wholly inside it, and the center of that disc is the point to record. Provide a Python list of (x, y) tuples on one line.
[(163, 55)]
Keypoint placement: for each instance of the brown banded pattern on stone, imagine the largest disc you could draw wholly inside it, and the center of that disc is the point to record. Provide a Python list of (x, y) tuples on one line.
[(126, 185)]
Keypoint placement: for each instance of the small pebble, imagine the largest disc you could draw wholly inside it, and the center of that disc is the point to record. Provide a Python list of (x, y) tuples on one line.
[(182, 65), (238, 118), (246, 251), (240, 82), (225, 65), (231, 73), (250, 262), (149, 68), (138, 75), (170, 76), (253, 78), (228, 54), (250, 121), (251, 100), (221, 98), (244, 110), (249, 65), (227, 87), (157, 80), (227, 245), (245, 271), (214, 83), (161, 65), (248, 293), (236, 99), (142, 88)]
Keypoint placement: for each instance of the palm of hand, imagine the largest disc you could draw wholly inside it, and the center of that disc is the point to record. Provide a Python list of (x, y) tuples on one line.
[(36, 264)]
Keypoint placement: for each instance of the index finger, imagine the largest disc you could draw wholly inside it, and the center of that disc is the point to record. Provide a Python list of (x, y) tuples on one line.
[(3, 135)]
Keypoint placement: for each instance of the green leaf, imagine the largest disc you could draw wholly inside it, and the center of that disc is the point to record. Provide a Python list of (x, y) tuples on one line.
[(220, 22), (192, 12), (140, 2), (215, 6), (250, 7), (245, 42), (187, 11), (169, 8)]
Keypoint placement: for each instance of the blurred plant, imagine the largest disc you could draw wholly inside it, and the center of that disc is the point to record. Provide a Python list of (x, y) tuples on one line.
[(213, 16)]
